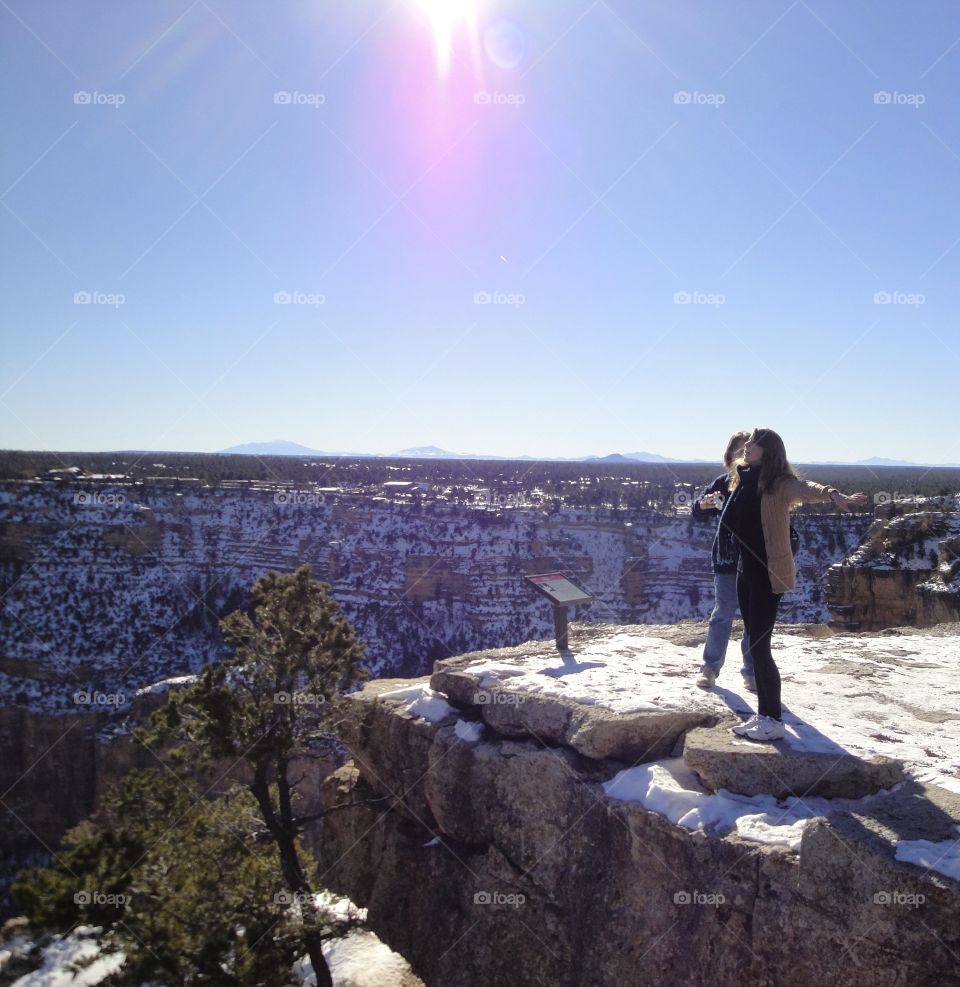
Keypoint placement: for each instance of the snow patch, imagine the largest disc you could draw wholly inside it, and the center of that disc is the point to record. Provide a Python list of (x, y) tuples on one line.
[(422, 701), (944, 858), (673, 790), (468, 731)]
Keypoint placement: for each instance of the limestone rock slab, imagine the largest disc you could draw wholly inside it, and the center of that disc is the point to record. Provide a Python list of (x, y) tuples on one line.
[(723, 760), (587, 728)]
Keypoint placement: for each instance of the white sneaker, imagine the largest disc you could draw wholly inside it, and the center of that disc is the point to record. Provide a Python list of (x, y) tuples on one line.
[(767, 728), (707, 677), (741, 728), (749, 683)]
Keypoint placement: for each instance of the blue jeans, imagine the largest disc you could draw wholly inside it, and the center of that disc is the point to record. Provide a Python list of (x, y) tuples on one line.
[(721, 620)]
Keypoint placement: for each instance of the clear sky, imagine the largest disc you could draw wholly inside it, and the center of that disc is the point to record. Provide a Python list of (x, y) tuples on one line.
[(545, 227)]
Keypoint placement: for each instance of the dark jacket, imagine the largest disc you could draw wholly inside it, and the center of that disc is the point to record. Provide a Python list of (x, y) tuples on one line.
[(724, 553)]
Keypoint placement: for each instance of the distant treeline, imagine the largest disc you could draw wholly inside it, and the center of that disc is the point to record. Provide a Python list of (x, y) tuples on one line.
[(569, 483)]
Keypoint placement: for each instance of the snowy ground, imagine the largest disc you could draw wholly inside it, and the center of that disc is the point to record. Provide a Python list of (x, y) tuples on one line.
[(891, 694), (897, 695)]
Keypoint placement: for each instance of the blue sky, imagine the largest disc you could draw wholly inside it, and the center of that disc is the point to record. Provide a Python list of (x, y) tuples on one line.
[(575, 228)]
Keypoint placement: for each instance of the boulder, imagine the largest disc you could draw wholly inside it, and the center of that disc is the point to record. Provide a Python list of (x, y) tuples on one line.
[(723, 760), (587, 728)]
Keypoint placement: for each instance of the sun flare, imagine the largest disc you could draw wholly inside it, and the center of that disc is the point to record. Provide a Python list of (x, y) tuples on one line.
[(446, 17)]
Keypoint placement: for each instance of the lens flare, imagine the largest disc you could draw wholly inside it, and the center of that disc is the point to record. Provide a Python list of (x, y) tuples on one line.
[(505, 44)]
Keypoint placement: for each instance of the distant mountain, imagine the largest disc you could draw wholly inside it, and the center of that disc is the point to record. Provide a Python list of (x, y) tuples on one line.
[(880, 461), (428, 452), (636, 457), (648, 457), (281, 447)]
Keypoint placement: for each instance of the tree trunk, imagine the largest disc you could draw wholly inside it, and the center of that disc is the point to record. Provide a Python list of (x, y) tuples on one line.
[(285, 839)]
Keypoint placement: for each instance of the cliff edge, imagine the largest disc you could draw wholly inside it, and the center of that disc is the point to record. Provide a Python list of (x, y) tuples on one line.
[(522, 817)]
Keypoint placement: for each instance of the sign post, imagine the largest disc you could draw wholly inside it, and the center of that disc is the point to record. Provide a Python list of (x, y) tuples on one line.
[(562, 593)]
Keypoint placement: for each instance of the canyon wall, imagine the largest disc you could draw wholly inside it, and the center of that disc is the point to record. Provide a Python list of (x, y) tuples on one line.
[(111, 587), (905, 572)]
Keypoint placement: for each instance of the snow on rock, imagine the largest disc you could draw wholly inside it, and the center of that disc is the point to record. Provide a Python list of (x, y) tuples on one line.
[(358, 959), (892, 694), (421, 700), (672, 790), (468, 731), (944, 857)]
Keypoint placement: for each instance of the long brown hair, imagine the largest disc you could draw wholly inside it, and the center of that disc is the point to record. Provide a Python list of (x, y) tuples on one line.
[(774, 465)]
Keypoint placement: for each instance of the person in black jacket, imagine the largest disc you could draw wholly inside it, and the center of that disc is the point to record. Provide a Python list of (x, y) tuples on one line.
[(708, 506)]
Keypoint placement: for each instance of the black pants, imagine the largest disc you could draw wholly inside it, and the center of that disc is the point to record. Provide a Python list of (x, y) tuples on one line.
[(758, 607)]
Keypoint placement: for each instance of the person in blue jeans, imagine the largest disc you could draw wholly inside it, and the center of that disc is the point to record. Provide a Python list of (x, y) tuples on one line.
[(725, 553)]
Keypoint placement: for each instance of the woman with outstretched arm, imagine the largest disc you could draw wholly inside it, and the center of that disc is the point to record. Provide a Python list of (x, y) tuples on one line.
[(758, 516)]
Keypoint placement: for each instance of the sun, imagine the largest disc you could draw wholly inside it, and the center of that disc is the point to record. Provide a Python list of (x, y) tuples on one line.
[(446, 17)]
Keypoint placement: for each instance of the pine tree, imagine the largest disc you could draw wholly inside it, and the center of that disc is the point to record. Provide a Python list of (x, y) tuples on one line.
[(293, 656)]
